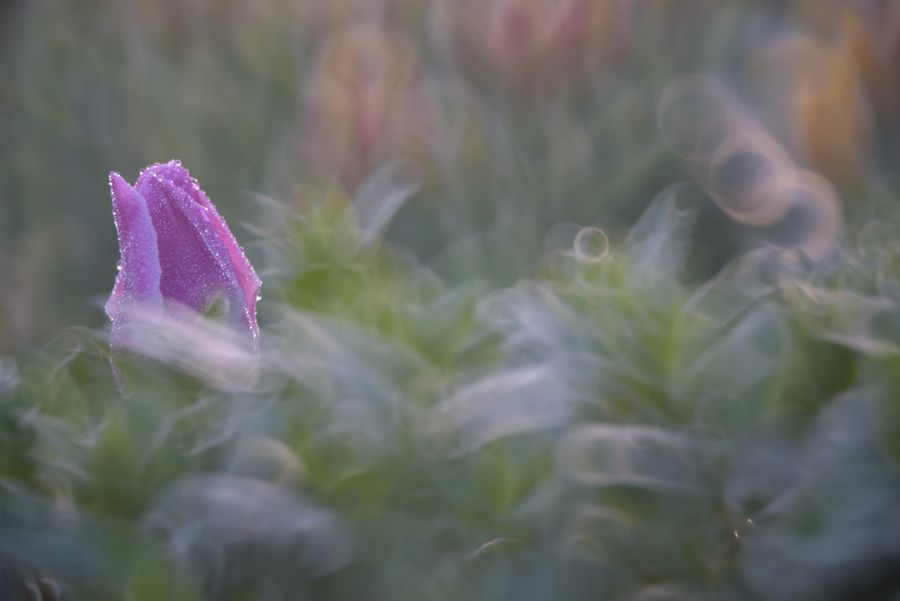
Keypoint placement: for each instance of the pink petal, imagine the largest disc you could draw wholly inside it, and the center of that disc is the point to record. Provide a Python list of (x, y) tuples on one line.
[(138, 281), (198, 256), (181, 178)]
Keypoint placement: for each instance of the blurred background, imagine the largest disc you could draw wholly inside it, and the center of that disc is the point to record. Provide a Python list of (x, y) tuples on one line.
[(511, 115), (564, 298)]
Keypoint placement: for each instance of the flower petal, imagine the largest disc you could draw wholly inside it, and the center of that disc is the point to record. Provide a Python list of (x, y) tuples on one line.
[(181, 178), (138, 279), (197, 264)]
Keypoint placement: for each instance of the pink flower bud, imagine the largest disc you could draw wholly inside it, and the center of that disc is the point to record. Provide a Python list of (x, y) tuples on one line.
[(176, 248)]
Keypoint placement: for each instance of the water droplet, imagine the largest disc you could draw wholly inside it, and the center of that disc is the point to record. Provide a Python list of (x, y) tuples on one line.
[(258, 297), (591, 245)]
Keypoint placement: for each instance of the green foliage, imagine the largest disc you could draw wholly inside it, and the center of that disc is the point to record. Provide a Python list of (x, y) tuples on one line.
[(599, 428)]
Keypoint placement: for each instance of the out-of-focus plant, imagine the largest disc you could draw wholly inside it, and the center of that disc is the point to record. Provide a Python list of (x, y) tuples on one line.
[(367, 103), (832, 89), (830, 94), (821, 102), (532, 41)]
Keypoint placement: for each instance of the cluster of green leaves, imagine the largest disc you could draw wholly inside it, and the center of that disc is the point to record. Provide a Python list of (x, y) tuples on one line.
[(598, 428)]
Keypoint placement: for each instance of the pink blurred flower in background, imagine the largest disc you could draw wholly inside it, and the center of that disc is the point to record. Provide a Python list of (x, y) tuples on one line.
[(531, 40), (528, 37), (176, 248), (366, 103)]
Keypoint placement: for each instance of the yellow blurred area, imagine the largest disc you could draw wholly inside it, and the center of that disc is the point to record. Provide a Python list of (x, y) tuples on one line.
[(835, 80), (831, 126)]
